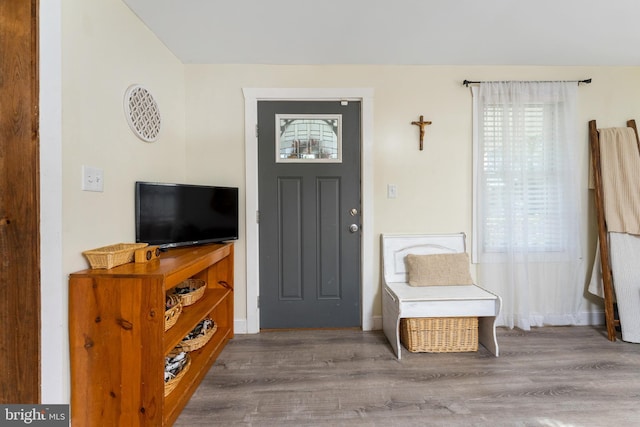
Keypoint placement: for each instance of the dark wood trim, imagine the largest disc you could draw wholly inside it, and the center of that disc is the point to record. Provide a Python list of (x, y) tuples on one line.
[(603, 242), (19, 203)]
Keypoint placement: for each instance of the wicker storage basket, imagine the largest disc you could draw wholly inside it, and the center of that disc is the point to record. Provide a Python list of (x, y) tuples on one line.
[(200, 341), (195, 288), (439, 334), (113, 255), (172, 313), (170, 385)]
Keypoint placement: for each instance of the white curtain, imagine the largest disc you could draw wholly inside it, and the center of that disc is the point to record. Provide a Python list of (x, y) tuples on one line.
[(527, 198)]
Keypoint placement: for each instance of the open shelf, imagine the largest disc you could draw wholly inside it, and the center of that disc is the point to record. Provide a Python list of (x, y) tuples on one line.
[(201, 361), (118, 342), (193, 314)]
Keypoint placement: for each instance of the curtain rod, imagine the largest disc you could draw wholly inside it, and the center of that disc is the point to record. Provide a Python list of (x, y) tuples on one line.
[(586, 81)]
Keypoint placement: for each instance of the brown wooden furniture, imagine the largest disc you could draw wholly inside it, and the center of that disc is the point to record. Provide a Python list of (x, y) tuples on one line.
[(118, 342), (20, 376), (607, 276)]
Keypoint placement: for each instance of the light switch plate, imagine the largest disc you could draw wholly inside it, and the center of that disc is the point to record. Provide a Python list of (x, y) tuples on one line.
[(392, 191), (92, 179)]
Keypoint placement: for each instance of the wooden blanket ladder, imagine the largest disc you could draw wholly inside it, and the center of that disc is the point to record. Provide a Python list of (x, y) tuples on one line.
[(607, 276)]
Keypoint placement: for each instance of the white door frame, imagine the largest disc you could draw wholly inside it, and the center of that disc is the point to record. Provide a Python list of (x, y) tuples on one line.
[(251, 98)]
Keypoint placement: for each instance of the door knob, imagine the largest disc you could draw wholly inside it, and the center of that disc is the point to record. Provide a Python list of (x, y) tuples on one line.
[(353, 228)]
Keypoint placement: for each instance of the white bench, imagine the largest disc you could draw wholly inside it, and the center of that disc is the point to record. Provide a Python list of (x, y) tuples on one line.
[(400, 300)]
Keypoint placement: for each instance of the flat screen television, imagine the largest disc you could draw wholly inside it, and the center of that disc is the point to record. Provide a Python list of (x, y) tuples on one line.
[(172, 215)]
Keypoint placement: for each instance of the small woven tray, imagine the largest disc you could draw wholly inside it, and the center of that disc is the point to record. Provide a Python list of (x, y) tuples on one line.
[(439, 334), (170, 385), (198, 342), (171, 315), (196, 291), (112, 255)]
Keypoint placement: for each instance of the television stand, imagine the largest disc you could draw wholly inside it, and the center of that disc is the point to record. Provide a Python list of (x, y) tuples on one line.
[(118, 341)]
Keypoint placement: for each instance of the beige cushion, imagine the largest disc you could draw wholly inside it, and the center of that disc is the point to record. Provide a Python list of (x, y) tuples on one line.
[(439, 269)]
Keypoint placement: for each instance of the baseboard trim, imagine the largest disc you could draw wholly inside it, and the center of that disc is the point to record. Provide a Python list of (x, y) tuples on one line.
[(594, 318), (240, 325)]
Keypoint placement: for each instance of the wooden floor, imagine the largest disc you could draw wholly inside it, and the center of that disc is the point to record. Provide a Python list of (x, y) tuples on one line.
[(554, 376)]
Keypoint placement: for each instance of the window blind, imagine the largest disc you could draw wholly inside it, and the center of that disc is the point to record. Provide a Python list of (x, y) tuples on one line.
[(521, 173)]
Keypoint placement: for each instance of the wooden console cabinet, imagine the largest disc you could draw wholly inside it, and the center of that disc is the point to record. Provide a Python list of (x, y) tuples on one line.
[(117, 338)]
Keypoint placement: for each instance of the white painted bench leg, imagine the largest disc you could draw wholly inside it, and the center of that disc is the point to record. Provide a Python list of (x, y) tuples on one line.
[(487, 334), (391, 322), (390, 325), (398, 346), (487, 330)]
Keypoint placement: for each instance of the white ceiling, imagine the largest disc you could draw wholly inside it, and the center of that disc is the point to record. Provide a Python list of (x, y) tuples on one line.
[(434, 32)]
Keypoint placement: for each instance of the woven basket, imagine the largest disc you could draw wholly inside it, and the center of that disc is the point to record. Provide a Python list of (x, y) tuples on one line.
[(196, 287), (171, 315), (113, 255), (170, 385), (199, 342), (439, 334)]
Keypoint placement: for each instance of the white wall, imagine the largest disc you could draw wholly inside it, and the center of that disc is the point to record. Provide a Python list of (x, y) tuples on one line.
[(434, 185), (90, 53), (105, 49)]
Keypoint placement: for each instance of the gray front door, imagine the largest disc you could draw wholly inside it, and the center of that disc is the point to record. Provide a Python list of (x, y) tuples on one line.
[(309, 203)]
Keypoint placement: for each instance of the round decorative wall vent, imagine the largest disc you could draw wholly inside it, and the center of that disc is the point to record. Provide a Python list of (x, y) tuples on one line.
[(142, 113)]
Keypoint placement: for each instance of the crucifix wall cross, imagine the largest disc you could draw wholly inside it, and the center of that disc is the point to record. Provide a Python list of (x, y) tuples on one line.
[(422, 124)]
